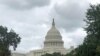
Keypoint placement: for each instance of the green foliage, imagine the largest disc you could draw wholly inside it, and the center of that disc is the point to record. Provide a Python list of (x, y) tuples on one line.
[(91, 44), (72, 53), (54, 54), (8, 39)]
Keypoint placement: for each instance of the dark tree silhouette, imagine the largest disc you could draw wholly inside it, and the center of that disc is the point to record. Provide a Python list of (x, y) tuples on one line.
[(91, 44), (8, 39), (53, 54)]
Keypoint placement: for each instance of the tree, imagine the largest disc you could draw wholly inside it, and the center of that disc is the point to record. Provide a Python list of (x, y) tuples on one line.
[(72, 53), (53, 54), (47, 54), (91, 44), (8, 39)]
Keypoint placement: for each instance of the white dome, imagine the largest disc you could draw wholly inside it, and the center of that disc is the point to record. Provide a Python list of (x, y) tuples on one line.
[(53, 34), (53, 38)]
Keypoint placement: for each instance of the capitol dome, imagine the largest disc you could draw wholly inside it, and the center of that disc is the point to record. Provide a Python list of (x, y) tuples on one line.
[(53, 43), (53, 38)]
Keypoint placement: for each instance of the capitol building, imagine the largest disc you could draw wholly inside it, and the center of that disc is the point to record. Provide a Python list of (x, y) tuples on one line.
[(53, 43)]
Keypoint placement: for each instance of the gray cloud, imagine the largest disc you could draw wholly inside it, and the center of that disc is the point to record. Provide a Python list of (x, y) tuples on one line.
[(27, 24), (25, 4), (70, 14), (33, 24)]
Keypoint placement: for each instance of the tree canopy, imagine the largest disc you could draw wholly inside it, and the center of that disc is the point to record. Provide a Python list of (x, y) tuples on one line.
[(7, 39), (53, 54), (91, 44)]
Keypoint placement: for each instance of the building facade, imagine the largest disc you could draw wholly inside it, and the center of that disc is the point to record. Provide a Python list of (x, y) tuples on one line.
[(53, 43)]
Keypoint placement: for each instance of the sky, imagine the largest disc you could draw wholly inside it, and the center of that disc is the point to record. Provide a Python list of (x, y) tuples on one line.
[(31, 19)]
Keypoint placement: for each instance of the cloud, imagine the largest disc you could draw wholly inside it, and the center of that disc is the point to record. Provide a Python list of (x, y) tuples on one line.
[(32, 25), (24, 4), (74, 38), (70, 14)]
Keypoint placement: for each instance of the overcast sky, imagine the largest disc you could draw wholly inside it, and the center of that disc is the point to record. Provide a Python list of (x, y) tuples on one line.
[(31, 19)]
